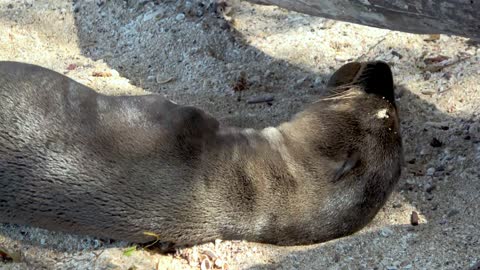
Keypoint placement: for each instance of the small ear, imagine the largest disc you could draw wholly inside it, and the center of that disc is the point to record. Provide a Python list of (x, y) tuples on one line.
[(376, 78), (346, 74)]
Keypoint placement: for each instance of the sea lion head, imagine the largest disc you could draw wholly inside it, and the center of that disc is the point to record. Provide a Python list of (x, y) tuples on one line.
[(355, 126)]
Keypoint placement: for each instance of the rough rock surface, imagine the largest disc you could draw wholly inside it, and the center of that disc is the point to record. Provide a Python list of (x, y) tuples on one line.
[(217, 57)]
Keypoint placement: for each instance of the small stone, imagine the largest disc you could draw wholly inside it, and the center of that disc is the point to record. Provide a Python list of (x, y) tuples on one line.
[(427, 76), (397, 205), (301, 80), (42, 241), (436, 142), (430, 171), (447, 75), (395, 53), (414, 218), (180, 17), (318, 82), (386, 232), (427, 92), (429, 187), (155, 14), (342, 58)]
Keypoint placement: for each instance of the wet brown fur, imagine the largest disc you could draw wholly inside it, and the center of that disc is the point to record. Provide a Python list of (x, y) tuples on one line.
[(77, 161)]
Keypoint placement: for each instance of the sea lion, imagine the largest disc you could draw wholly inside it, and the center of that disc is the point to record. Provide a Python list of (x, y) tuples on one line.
[(140, 167)]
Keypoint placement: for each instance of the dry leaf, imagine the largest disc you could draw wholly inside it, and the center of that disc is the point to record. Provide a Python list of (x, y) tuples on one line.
[(102, 74), (71, 67)]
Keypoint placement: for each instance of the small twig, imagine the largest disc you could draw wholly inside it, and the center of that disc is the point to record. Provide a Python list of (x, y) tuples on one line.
[(166, 81), (97, 256), (372, 47), (437, 68)]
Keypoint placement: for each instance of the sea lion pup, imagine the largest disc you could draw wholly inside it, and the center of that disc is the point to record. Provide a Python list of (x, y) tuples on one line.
[(132, 167)]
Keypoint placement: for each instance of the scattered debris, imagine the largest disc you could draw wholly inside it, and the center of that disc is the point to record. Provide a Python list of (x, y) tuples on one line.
[(436, 142), (241, 83), (414, 218), (101, 74), (164, 81), (386, 232), (71, 67), (129, 251), (262, 99), (435, 60), (432, 37)]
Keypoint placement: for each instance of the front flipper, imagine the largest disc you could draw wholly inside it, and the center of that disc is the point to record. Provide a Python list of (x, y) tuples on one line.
[(352, 161)]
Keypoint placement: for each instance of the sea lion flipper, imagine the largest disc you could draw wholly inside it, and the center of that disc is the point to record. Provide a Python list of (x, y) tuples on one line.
[(351, 162)]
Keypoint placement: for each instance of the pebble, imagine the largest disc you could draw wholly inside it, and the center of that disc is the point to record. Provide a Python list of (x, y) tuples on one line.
[(342, 58), (180, 17), (427, 92), (430, 171), (386, 232), (42, 241), (156, 14), (301, 80), (436, 142), (429, 187), (261, 99), (414, 218), (318, 82)]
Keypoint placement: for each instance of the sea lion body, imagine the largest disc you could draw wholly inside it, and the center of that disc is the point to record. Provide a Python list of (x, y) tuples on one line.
[(77, 161)]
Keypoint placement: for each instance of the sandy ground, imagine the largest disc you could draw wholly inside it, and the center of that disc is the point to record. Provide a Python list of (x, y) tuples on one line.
[(199, 53)]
